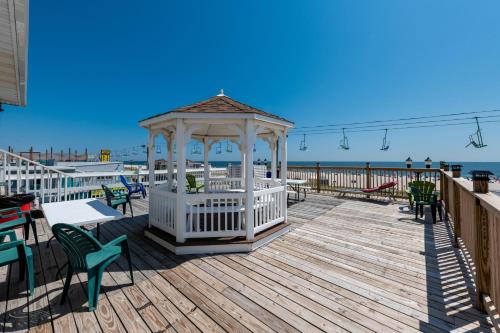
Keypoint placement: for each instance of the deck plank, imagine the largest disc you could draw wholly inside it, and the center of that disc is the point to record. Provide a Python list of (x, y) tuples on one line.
[(347, 265)]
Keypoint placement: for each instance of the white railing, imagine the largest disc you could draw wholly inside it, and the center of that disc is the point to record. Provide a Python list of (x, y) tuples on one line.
[(224, 184), (21, 175), (268, 208), (218, 214), (215, 215), (162, 208)]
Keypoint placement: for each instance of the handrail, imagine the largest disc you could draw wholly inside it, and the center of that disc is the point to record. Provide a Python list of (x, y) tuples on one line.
[(475, 218), (34, 163), (357, 167), (333, 178)]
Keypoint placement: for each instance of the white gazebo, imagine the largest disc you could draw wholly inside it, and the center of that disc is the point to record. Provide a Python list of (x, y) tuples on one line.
[(227, 214)]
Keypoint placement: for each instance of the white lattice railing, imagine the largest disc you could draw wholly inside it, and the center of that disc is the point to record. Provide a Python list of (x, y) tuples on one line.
[(268, 208), (162, 209), (215, 215)]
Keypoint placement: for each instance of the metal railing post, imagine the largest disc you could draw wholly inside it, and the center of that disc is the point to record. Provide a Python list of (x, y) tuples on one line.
[(318, 178)]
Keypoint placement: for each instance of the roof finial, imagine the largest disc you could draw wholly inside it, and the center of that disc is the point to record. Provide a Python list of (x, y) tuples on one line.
[(221, 93)]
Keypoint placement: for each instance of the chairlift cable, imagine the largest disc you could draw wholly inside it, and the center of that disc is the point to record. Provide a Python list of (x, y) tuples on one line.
[(402, 119), (383, 126), (337, 131)]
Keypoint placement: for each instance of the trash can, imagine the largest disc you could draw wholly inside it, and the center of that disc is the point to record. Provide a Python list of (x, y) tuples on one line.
[(23, 201)]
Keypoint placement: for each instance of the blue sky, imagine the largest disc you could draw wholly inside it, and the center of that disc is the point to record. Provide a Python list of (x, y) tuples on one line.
[(97, 67)]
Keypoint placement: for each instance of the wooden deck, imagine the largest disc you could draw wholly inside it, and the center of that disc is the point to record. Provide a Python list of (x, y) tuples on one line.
[(347, 265)]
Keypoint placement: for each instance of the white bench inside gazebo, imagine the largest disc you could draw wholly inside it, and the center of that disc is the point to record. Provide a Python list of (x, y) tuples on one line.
[(227, 214)]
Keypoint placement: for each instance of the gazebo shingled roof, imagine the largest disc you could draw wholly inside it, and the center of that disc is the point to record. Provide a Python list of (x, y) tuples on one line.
[(220, 104)]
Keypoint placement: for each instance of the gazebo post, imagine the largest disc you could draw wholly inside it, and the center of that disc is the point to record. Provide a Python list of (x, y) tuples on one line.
[(273, 156), (206, 170), (283, 172), (242, 169), (151, 159), (170, 163), (180, 221), (249, 209)]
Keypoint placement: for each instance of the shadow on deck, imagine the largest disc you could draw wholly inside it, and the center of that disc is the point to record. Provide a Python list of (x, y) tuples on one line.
[(347, 265)]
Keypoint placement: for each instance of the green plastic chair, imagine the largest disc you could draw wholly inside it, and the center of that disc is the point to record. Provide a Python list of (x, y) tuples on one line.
[(15, 250), (422, 193), (19, 218), (115, 199), (192, 184), (86, 254), (423, 186)]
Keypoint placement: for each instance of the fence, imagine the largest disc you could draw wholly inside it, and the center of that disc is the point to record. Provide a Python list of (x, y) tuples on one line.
[(215, 215), (162, 209), (48, 184), (268, 208), (333, 178), (476, 223), (224, 184)]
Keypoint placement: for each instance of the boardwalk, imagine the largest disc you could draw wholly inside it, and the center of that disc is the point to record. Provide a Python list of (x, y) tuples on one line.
[(347, 265)]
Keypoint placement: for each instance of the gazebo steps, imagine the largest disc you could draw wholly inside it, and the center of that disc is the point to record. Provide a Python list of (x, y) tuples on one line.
[(215, 245)]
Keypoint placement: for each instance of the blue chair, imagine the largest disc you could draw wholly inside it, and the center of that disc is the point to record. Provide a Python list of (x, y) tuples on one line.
[(134, 187)]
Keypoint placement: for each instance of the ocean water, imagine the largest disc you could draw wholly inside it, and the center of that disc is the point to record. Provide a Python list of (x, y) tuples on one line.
[(494, 167)]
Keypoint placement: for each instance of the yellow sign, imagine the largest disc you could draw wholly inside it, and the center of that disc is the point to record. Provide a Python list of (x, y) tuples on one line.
[(105, 155)]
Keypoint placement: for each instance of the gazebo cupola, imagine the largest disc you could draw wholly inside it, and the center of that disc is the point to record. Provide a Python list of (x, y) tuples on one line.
[(229, 214)]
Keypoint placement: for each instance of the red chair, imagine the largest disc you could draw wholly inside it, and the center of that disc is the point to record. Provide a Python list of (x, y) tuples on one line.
[(385, 187)]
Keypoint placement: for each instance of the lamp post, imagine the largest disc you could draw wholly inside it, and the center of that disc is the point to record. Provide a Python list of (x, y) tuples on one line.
[(409, 162), (456, 170), (428, 163), (480, 180)]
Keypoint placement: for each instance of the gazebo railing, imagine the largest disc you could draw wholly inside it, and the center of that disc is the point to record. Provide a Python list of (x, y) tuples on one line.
[(215, 215), (268, 208), (162, 209), (218, 214)]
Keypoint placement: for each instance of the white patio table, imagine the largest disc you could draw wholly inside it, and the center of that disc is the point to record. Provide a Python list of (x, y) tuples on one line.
[(79, 213)]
